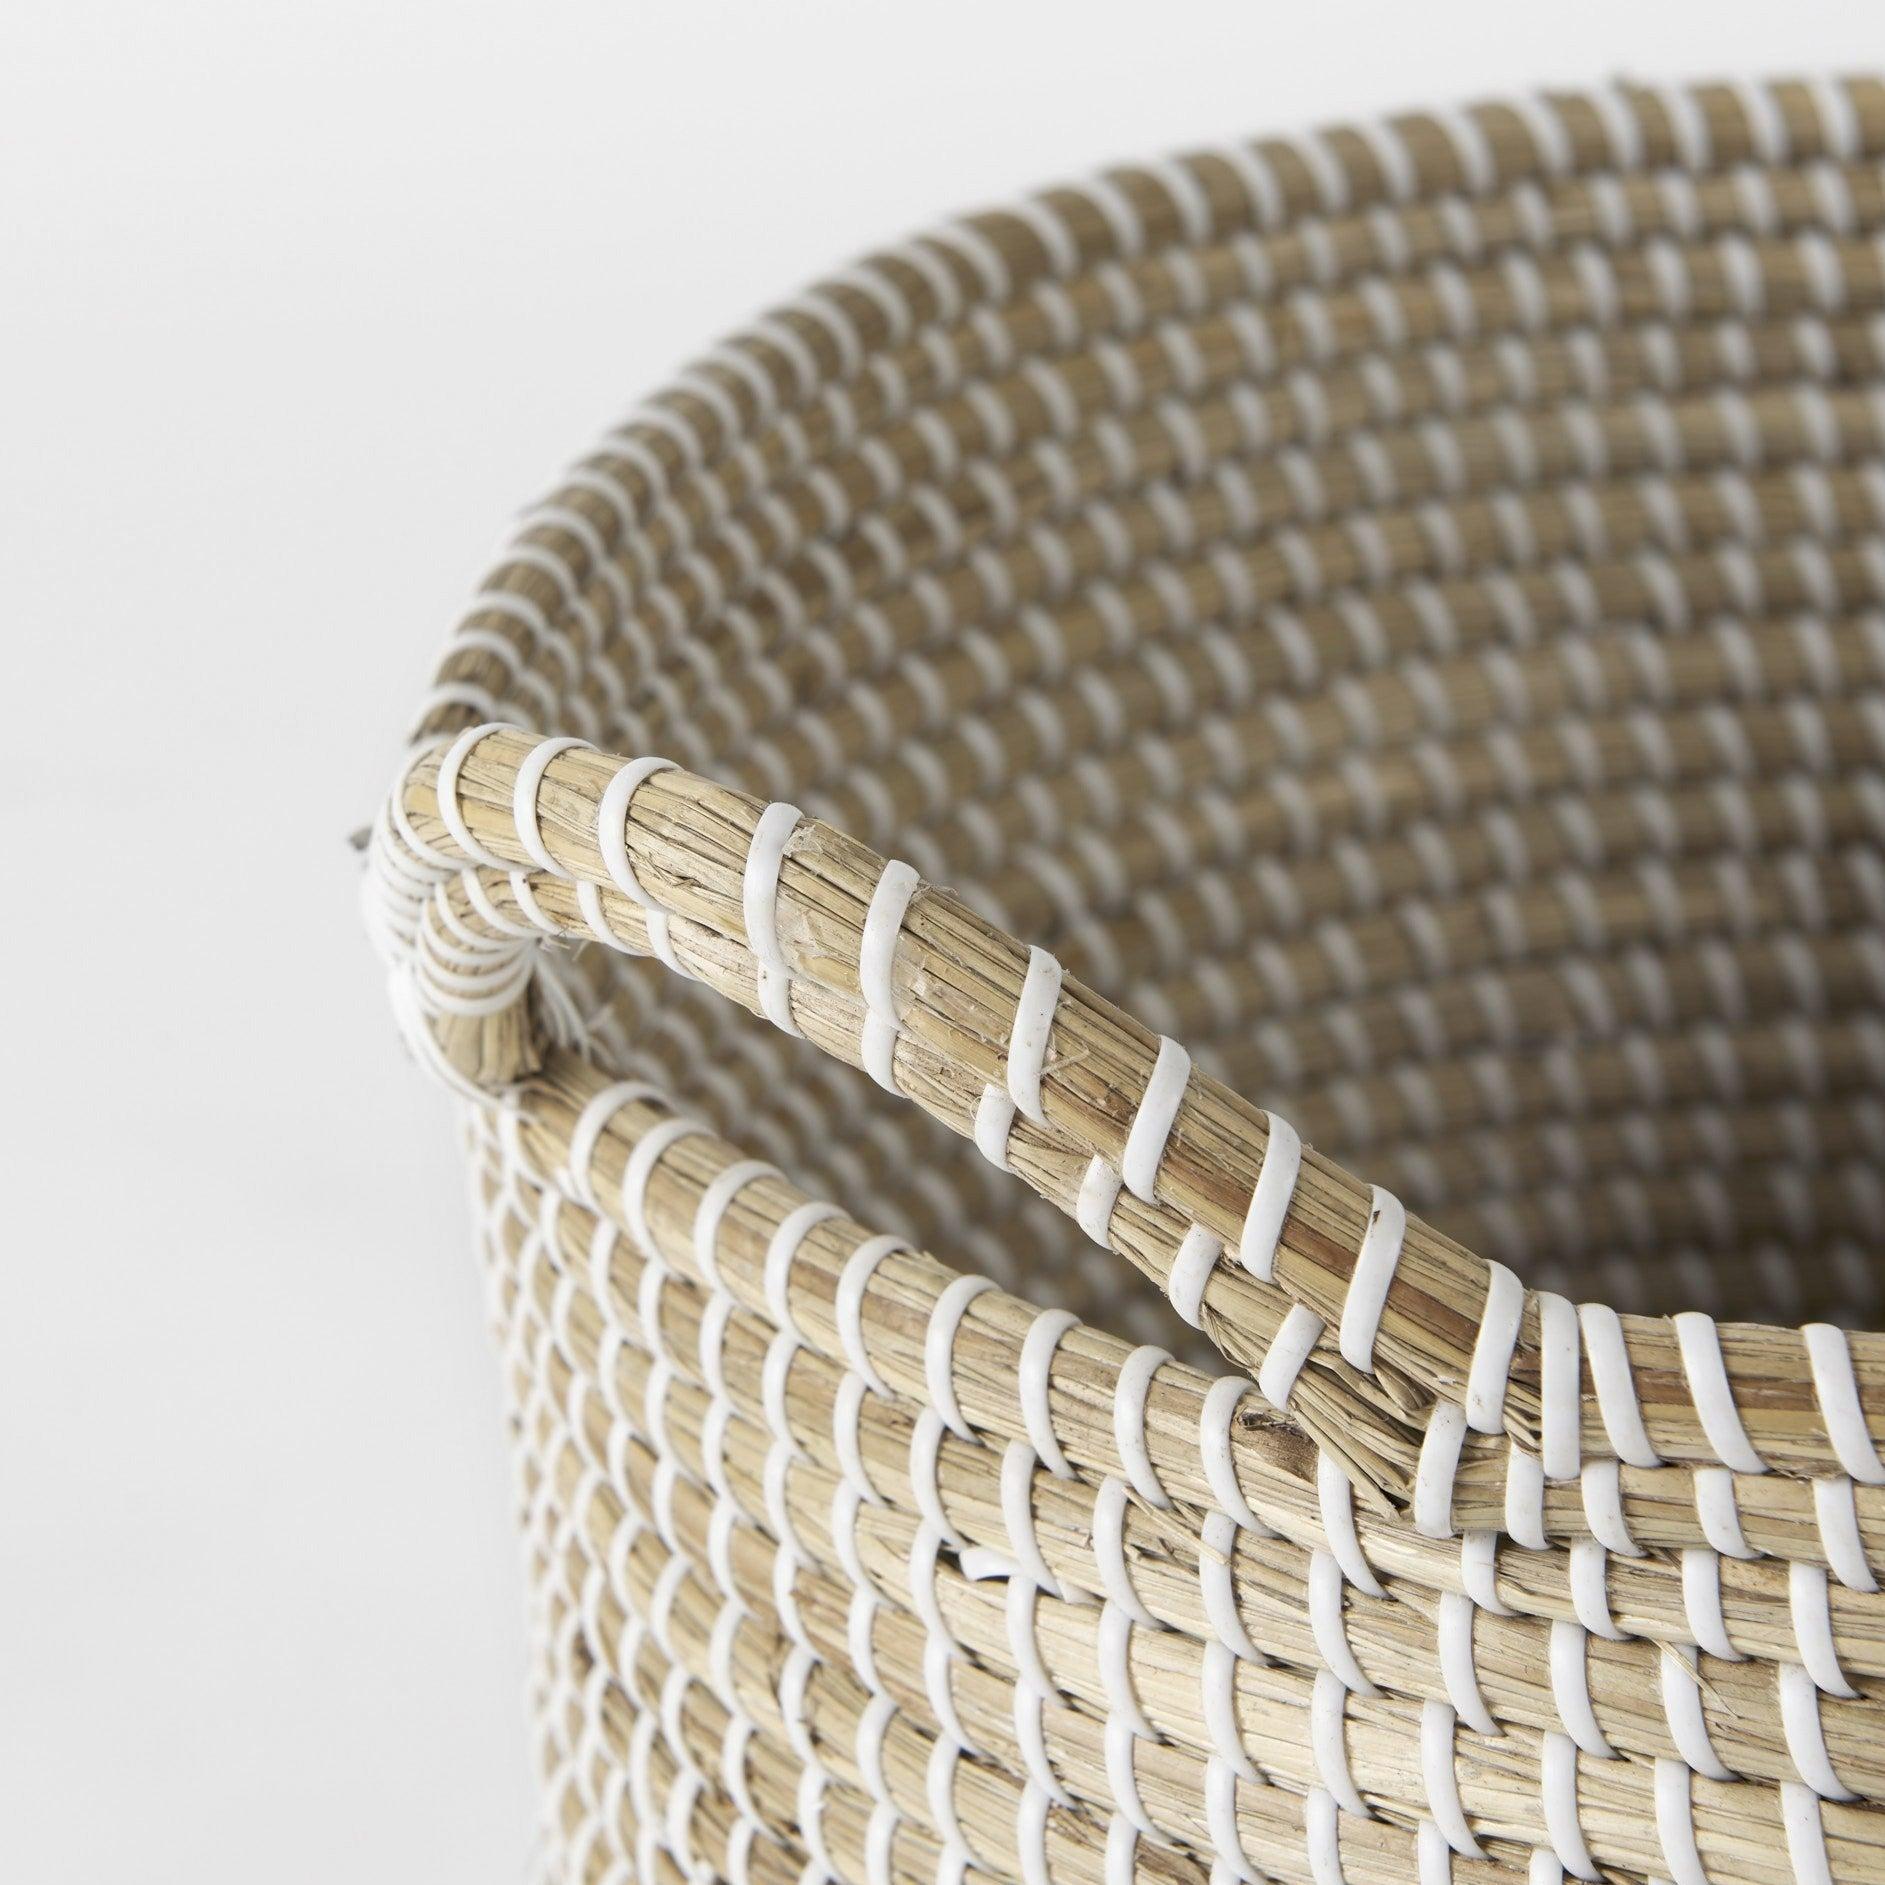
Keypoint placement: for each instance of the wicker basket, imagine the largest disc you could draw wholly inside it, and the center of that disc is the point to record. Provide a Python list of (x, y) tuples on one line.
[(1398, 613)]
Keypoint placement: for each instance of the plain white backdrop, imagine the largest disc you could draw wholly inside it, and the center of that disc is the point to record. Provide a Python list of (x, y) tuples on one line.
[(297, 305)]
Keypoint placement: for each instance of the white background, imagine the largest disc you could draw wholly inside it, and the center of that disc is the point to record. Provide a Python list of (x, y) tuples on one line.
[(297, 304)]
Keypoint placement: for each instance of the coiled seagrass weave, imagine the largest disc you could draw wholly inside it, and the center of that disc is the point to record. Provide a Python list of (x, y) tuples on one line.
[(1391, 626)]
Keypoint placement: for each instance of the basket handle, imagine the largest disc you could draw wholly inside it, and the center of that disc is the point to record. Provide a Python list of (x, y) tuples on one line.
[(1405, 1355)]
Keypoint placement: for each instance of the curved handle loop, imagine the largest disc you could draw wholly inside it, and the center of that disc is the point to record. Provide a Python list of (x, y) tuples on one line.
[(1350, 1314), (498, 841)]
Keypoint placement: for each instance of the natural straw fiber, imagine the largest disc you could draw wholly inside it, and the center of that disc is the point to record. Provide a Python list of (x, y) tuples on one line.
[(1392, 625)]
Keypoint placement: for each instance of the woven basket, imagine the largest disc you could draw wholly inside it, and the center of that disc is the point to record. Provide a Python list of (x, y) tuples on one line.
[(1399, 614)]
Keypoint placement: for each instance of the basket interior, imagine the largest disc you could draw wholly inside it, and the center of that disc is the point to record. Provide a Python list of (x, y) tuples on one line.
[(1422, 654)]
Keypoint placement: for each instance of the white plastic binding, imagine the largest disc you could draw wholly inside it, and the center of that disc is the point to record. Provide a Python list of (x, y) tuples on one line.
[(1492, 1350), (1152, 1124), (877, 952), (1027, 1040), (1036, 1365), (1837, 1390), (759, 902), (1270, 1199), (1713, 1397), (447, 794), (524, 811), (1129, 1398), (938, 1348), (1375, 1264)]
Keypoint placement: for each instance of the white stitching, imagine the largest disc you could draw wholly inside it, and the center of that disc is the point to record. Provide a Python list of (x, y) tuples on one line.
[(649, 1149), (447, 794), (1322, 1837), (1033, 1376), (1129, 1402), (1590, 1592), (1479, 1574), (1836, 1510), (1328, 1622), (1220, 1818), (1717, 1513), (848, 1305), (1453, 1644), (1675, 1823), (1099, 1193), (994, 1120), (709, 1214), (1368, 1286), (1218, 1454), (1836, 1388), (1805, 1732), (1710, 1390), (524, 812), (1558, 1795), (1217, 1583), (1811, 1613), (1122, 1849), (1806, 1835), (1559, 1387), (1601, 1483), (1335, 1499), (938, 1346), (1442, 1781), (782, 1250), (1028, 1036), (587, 1132), (1018, 1462), (940, 1654), (1328, 1741), (1682, 1709), (1219, 1694), (1270, 1198), (1190, 1273), (1435, 1469), (1486, 1378), (876, 961), (612, 825), (1701, 1603), (1152, 1123), (759, 904), (1615, 1383), (1289, 1349), (1570, 1687), (1023, 1640)]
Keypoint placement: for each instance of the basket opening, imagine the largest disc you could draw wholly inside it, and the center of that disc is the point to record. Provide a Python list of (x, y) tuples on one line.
[(1437, 681)]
